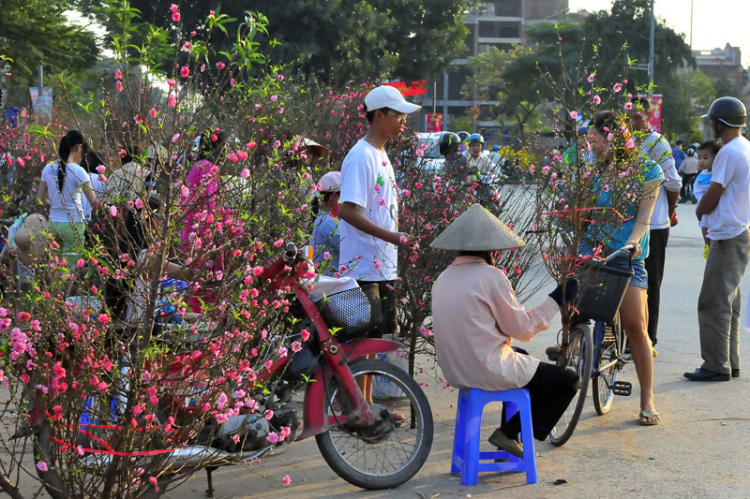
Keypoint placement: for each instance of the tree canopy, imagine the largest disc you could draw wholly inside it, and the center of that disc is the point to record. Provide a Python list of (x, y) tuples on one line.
[(37, 31), (341, 40), (618, 39)]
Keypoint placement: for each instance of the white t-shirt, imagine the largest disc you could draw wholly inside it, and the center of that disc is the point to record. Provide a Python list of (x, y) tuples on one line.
[(657, 149), (731, 169), (98, 187), (481, 163), (67, 208), (368, 181)]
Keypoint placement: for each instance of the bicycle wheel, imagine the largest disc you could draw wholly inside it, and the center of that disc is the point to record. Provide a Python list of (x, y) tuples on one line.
[(603, 383), (577, 358), (391, 451)]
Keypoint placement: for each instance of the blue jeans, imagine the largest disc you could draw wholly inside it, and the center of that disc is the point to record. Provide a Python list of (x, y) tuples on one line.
[(640, 276)]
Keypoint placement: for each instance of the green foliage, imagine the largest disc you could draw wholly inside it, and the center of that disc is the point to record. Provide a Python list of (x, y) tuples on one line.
[(37, 31), (337, 40), (618, 39)]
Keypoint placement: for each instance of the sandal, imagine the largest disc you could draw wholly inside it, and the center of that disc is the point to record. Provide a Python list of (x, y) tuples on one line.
[(645, 416)]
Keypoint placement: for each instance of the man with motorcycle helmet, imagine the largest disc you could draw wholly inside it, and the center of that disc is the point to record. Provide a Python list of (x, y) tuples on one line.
[(455, 162), (725, 211), (476, 159)]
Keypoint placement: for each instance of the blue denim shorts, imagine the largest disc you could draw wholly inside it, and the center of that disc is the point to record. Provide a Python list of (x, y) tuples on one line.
[(640, 276)]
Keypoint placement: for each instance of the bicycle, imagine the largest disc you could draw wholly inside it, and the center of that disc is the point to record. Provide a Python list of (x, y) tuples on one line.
[(603, 291)]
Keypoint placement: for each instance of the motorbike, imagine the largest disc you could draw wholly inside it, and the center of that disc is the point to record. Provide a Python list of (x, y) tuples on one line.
[(374, 445)]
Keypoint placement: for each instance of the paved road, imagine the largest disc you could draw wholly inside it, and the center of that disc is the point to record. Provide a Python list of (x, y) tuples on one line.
[(699, 450)]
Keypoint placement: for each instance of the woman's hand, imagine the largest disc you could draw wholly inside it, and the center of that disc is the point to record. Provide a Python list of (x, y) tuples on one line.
[(637, 250)]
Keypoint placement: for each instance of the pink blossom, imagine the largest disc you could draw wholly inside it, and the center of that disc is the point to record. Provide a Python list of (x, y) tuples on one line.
[(152, 112), (274, 98), (305, 334), (185, 71), (186, 45), (104, 319), (617, 88), (278, 243), (277, 144), (545, 170), (118, 74), (257, 271), (250, 145), (280, 77), (42, 466), (172, 101), (573, 115), (139, 203), (625, 81), (610, 137), (242, 155), (173, 8), (273, 437), (532, 169), (175, 138), (113, 211), (629, 144), (119, 86), (287, 481), (245, 173), (176, 17), (591, 78), (171, 82), (80, 263), (628, 106), (220, 65), (296, 346), (596, 100)]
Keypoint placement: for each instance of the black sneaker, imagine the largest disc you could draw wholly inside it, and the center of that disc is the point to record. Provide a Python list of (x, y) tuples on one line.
[(736, 373)]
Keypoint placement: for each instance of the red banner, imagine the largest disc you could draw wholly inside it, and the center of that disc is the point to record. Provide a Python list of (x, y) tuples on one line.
[(434, 122), (655, 110), (415, 88)]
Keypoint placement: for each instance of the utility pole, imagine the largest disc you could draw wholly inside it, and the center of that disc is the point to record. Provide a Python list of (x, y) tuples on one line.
[(651, 51), (41, 80)]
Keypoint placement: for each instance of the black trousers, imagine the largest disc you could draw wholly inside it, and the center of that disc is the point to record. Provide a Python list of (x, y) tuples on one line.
[(387, 291), (551, 389), (655, 268)]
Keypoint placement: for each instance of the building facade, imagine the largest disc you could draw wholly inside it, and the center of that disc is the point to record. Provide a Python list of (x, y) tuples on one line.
[(498, 23)]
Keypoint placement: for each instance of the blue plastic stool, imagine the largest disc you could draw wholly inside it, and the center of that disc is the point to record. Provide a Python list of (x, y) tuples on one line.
[(466, 455)]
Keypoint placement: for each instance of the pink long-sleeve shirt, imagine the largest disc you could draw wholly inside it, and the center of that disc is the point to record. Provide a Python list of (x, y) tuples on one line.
[(475, 317)]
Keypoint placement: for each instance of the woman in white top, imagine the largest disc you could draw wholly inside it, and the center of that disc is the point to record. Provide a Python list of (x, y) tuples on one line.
[(60, 190)]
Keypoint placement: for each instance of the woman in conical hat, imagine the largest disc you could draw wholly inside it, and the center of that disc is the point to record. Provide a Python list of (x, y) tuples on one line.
[(476, 316)]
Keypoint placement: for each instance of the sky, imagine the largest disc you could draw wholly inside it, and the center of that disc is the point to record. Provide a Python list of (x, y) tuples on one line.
[(715, 22)]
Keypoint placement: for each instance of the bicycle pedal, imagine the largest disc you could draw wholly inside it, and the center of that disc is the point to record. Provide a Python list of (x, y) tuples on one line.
[(622, 388)]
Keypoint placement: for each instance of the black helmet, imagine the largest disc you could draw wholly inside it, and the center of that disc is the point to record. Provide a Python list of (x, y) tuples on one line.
[(729, 111), (463, 135), (449, 141)]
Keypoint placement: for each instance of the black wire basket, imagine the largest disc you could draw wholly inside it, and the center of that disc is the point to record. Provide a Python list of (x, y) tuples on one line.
[(603, 289), (356, 311)]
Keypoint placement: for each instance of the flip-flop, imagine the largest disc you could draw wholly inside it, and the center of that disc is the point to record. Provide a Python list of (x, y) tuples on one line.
[(644, 416), (654, 352)]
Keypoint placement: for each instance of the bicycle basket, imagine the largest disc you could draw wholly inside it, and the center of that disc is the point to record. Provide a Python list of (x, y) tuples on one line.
[(603, 290), (356, 311)]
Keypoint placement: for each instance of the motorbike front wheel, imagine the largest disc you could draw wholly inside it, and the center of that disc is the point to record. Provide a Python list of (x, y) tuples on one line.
[(393, 450)]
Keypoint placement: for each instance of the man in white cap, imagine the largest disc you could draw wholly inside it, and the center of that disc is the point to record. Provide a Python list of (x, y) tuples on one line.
[(369, 202), (476, 316)]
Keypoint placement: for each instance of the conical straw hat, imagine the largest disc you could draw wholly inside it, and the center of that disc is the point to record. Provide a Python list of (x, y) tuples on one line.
[(477, 230)]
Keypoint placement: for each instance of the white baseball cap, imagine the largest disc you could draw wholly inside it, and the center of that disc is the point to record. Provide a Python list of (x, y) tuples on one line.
[(330, 182), (390, 97)]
